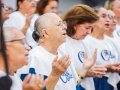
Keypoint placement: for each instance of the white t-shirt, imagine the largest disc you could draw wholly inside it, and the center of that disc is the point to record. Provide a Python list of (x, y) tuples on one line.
[(16, 19), (16, 82), (41, 60), (106, 54), (114, 42), (76, 50), (29, 39), (116, 33)]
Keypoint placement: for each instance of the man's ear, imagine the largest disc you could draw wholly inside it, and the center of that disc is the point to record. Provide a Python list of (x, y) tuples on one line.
[(45, 33)]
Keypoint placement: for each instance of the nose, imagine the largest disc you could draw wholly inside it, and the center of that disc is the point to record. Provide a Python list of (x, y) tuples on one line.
[(107, 19)]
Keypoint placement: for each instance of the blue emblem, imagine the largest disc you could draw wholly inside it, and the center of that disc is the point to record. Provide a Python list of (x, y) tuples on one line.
[(66, 77), (107, 55), (81, 56)]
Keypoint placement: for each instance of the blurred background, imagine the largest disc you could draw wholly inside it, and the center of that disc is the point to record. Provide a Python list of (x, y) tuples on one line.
[(64, 5)]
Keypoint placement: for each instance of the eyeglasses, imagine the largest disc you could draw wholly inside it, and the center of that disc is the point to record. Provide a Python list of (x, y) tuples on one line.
[(62, 24), (6, 8), (3, 5)]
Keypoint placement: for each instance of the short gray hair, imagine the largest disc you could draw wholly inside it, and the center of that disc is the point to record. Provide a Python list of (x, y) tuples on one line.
[(43, 22)]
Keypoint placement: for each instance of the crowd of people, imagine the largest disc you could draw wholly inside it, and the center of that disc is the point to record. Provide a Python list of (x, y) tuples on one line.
[(45, 50)]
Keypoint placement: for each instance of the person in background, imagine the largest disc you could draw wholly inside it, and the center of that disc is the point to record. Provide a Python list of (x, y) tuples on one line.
[(43, 6), (112, 40), (107, 55), (5, 12), (114, 5), (22, 17)]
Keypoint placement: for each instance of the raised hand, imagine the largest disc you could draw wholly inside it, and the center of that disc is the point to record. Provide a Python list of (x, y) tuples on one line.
[(33, 82), (89, 62), (59, 66)]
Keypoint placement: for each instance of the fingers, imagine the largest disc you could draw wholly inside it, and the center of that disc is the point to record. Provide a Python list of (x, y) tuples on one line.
[(59, 66), (33, 82), (27, 79), (98, 71), (94, 57), (55, 59), (100, 68)]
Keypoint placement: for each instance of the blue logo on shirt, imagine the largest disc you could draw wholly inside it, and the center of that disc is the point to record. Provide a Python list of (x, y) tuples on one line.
[(107, 55), (66, 77), (81, 56)]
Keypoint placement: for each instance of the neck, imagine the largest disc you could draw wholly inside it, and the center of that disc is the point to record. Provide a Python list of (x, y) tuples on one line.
[(76, 37), (110, 34), (50, 47), (97, 34), (22, 11)]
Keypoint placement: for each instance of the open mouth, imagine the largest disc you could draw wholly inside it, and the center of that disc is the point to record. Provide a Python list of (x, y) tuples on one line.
[(107, 25)]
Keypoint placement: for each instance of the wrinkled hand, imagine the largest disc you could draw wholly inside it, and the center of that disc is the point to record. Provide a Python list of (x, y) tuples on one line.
[(89, 62), (113, 68), (59, 66), (33, 82), (97, 71)]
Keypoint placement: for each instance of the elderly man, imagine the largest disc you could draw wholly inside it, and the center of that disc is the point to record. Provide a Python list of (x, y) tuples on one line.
[(50, 36), (17, 57)]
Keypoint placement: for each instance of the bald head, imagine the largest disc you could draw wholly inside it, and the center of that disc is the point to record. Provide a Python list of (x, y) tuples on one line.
[(11, 33), (44, 22)]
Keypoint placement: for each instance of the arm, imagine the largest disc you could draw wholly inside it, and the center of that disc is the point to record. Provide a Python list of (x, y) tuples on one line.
[(27, 24)]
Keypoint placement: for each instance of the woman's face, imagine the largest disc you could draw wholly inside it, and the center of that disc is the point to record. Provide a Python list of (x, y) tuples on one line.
[(104, 22), (82, 30), (51, 7), (113, 19), (28, 5), (116, 8)]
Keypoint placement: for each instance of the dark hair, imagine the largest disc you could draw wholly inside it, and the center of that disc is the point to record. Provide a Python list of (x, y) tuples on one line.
[(35, 33), (79, 14), (41, 6), (18, 4)]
